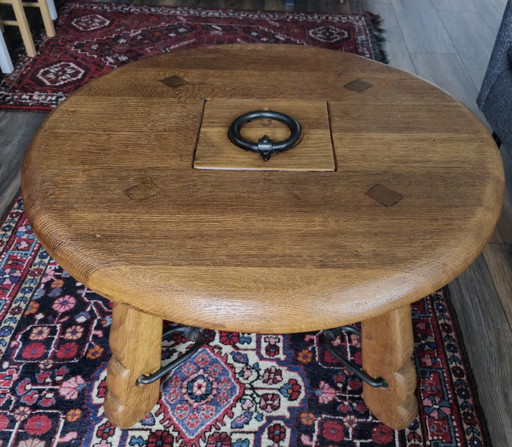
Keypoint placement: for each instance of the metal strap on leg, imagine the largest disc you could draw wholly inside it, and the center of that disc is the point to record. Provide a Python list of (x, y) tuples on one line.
[(349, 329), (329, 335), (496, 139), (192, 333)]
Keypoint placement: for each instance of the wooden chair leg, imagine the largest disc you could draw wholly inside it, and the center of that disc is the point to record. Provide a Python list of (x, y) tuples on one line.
[(387, 345), (5, 59), (47, 17), (136, 343), (21, 20)]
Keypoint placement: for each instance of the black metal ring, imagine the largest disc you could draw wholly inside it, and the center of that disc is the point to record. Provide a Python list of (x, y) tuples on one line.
[(265, 147)]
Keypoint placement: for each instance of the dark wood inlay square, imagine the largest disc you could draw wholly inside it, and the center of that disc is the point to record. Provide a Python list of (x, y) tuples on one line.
[(383, 195), (174, 82), (358, 85)]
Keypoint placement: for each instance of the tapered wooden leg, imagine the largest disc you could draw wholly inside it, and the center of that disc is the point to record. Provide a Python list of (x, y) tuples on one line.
[(387, 345), (47, 18), (136, 343), (21, 21)]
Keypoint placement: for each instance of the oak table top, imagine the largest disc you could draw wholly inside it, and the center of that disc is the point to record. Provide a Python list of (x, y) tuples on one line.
[(123, 186)]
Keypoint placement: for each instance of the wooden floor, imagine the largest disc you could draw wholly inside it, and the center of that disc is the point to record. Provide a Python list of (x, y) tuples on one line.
[(449, 43)]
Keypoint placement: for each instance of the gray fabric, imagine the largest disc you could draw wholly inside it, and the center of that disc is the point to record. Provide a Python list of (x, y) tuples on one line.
[(498, 61), (508, 149), (498, 107), (495, 97)]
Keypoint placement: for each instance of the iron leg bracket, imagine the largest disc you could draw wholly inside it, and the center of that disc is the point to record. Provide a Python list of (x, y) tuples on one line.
[(496, 139), (196, 335), (192, 333), (329, 335)]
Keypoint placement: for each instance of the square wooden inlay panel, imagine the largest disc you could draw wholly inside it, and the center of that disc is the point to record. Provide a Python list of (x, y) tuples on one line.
[(313, 153), (384, 195)]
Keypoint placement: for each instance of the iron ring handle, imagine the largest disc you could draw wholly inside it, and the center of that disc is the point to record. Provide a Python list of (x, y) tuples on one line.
[(265, 146)]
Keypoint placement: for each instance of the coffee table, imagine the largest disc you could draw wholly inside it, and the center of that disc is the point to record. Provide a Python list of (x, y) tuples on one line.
[(134, 187)]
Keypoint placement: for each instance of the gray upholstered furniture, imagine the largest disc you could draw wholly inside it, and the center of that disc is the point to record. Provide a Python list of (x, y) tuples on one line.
[(495, 98)]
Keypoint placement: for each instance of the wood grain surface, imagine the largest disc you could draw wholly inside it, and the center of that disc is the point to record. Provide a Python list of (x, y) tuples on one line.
[(255, 250), (136, 344), (387, 346)]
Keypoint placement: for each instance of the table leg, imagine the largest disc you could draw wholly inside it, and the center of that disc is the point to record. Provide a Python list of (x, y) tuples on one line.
[(387, 345), (136, 344)]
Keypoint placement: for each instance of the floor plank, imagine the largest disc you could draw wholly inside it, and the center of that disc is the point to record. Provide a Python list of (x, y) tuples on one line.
[(395, 46), (454, 5), (488, 340), (489, 13), (499, 5), (473, 48), (16, 131), (499, 259), (421, 27)]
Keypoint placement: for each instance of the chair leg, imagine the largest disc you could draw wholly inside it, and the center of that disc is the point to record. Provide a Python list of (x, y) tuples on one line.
[(53, 9), (5, 59), (47, 17), (22, 22)]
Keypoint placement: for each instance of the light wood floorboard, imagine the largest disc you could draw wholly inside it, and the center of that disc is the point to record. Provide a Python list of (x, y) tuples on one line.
[(488, 340), (491, 14), (454, 5), (447, 42), (396, 48), (499, 260), (473, 48), (422, 27), (16, 131)]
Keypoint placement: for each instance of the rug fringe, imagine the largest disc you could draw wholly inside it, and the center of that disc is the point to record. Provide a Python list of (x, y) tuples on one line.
[(378, 35)]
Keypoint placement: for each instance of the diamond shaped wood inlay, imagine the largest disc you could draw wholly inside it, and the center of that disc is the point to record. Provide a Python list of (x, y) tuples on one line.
[(174, 82), (383, 195), (358, 85)]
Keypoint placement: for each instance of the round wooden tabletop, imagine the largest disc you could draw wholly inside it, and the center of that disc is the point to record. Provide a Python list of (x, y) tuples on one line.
[(397, 193)]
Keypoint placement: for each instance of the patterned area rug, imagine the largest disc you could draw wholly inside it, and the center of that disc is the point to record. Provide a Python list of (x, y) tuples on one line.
[(93, 39), (239, 390)]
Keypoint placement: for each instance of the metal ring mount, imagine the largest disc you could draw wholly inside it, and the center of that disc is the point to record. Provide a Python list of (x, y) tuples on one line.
[(192, 333), (265, 146), (329, 335)]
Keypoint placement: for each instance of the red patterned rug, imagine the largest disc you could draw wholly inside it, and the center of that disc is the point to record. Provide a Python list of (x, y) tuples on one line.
[(94, 38), (239, 390)]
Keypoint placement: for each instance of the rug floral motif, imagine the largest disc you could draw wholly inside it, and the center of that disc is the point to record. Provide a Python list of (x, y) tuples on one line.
[(94, 38), (238, 390)]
